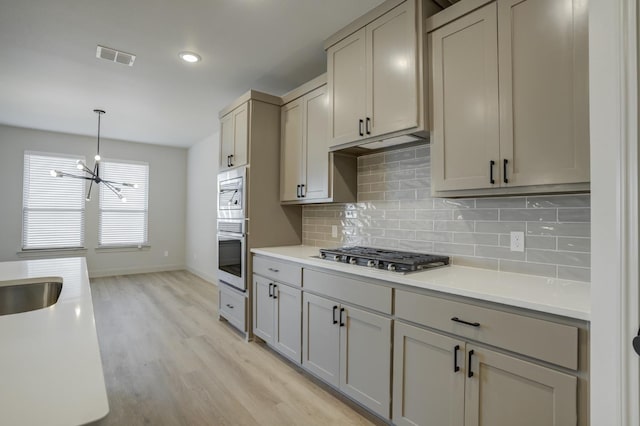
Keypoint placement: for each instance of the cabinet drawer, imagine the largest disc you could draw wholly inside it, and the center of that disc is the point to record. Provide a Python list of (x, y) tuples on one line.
[(350, 290), (276, 270), (232, 306), (541, 339)]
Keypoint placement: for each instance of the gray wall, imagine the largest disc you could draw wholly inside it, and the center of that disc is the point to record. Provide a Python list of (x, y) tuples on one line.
[(202, 250), (167, 199), (395, 210)]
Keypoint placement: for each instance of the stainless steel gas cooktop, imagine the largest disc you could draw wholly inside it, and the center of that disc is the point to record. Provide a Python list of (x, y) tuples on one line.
[(391, 260)]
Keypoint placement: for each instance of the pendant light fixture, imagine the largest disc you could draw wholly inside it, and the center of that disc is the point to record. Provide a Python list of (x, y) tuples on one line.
[(94, 175)]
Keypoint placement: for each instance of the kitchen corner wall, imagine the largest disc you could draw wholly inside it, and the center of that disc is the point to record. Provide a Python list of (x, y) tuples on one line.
[(395, 210), (202, 180)]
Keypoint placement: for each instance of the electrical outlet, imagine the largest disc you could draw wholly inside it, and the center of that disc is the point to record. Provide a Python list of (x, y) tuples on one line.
[(334, 231), (517, 241), (166, 253)]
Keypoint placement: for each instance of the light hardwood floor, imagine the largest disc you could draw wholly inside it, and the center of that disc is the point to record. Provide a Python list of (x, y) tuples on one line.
[(169, 361)]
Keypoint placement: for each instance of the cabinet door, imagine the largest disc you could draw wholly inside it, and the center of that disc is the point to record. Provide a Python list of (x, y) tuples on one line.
[(288, 321), (346, 63), (321, 338), (427, 389), (240, 135), (465, 98), (544, 105), (365, 359), (291, 157), (392, 77), (263, 315), (316, 149), (506, 391), (226, 140)]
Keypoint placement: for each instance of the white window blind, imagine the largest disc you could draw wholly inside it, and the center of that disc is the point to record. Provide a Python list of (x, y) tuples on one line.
[(124, 223), (52, 207)]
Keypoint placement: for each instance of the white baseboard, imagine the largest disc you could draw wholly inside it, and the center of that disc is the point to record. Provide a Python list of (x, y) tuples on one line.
[(95, 273), (212, 279)]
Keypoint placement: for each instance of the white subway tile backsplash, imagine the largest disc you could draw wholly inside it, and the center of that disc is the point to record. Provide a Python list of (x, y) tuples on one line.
[(574, 244), (499, 253), (528, 215), (559, 257), (574, 215), (475, 214), (559, 229), (395, 210), (554, 201), (528, 268)]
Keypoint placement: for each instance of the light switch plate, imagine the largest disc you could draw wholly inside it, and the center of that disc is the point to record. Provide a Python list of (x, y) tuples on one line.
[(517, 241)]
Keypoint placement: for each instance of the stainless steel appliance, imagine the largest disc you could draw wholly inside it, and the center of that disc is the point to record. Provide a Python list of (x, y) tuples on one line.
[(232, 253), (232, 248), (390, 260), (232, 194)]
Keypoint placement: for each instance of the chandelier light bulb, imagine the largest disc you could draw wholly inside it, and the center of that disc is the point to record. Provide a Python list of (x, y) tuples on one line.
[(79, 166), (136, 186), (124, 199), (97, 157), (53, 173)]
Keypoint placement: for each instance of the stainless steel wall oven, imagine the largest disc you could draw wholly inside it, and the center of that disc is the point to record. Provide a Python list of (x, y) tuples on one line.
[(232, 249)]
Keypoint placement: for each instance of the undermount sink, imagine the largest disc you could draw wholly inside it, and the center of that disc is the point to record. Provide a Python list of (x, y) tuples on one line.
[(29, 296)]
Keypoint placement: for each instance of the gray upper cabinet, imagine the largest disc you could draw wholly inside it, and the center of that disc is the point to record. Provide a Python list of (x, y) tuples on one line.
[(234, 137), (375, 82), (510, 98), (308, 172)]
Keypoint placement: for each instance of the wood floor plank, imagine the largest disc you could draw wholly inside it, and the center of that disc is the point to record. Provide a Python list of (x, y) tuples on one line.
[(169, 361)]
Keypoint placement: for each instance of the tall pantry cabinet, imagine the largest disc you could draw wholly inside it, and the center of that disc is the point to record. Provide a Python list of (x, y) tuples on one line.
[(251, 126)]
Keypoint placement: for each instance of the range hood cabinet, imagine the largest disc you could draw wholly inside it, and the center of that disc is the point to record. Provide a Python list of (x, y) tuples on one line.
[(371, 146)]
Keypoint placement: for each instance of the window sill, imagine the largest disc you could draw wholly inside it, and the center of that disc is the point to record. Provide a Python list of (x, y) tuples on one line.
[(118, 249), (52, 252)]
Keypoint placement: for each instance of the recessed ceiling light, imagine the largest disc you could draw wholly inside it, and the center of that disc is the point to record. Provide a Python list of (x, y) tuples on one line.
[(190, 57)]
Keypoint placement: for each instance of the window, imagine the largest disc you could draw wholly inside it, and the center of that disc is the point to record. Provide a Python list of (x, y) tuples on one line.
[(52, 208), (124, 223)]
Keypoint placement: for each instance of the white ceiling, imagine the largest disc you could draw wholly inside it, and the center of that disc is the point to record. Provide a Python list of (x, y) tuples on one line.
[(50, 78)]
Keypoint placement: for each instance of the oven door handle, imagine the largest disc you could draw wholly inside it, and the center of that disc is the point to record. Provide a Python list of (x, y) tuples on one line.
[(231, 234)]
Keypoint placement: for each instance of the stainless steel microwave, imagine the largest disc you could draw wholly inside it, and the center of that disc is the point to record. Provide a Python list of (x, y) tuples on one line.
[(231, 193)]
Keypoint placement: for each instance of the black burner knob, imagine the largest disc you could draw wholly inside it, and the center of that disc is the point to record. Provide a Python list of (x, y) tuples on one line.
[(353, 261), (371, 263), (391, 267)]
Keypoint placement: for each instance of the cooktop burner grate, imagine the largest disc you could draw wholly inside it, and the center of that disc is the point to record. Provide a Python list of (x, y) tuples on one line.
[(392, 260)]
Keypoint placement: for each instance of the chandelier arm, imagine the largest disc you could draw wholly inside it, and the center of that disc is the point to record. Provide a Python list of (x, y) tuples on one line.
[(89, 191), (118, 183), (86, 169), (64, 174), (112, 188)]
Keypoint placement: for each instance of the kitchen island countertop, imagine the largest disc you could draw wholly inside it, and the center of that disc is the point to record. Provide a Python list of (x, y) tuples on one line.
[(549, 295), (50, 361)]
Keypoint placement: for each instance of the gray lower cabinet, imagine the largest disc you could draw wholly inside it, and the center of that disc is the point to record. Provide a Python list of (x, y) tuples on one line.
[(428, 378), (443, 381), (505, 391), (276, 316), (349, 348)]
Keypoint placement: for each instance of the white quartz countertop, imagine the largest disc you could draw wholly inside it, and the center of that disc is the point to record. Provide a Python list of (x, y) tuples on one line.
[(551, 295), (50, 366)]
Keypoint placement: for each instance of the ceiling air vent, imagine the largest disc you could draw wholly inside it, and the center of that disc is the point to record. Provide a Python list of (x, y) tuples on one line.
[(114, 55)]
